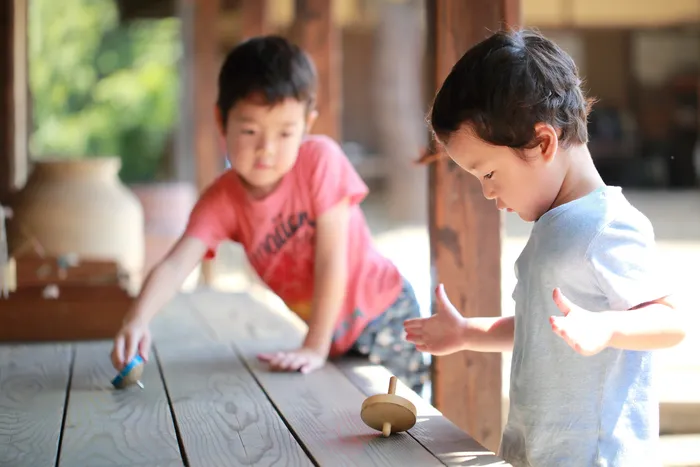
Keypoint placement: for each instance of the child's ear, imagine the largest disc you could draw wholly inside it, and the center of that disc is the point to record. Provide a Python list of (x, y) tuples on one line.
[(548, 142), (311, 119), (219, 121)]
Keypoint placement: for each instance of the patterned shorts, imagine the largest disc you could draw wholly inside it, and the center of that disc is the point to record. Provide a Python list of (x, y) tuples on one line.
[(383, 343)]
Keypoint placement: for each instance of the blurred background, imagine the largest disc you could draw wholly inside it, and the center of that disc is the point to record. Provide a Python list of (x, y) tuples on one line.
[(132, 81)]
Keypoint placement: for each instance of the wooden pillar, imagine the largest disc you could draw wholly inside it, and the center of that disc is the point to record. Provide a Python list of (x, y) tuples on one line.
[(465, 234), (315, 32), (200, 74), (7, 147), (13, 96), (253, 18), (398, 106)]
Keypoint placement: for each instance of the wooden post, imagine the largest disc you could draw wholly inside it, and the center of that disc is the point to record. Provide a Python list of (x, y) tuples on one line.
[(202, 60), (315, 32), (7, 147), (253, 18), (399, 106), (465, 235), (13, 96)]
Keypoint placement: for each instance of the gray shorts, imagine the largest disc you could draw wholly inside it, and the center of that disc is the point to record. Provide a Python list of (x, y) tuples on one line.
[(383, 343)]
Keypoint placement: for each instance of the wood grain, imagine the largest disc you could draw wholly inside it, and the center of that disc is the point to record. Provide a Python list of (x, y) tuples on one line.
[(223, 416), (33, 384), (465, 235), (109, 427), (322, 408), (437, 434)]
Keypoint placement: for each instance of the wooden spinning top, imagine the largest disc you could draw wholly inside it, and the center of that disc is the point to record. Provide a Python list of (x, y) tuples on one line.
[(388, 413), (131, 374)]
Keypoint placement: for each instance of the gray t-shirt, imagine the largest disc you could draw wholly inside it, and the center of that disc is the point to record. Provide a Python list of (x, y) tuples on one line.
[(567, 409)]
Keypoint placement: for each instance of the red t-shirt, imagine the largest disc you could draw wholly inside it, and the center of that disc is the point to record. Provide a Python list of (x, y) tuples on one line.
[(278, 235)]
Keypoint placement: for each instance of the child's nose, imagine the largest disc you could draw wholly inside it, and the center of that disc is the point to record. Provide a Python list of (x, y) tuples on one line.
[(489, 193), (265, 148)]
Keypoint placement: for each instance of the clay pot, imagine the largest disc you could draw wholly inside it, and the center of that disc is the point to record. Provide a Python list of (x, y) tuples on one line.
[(80, 207), (166, 208)]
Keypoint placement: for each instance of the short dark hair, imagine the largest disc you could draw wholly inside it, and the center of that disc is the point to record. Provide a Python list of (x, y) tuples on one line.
[(270, 66), (505, 85)]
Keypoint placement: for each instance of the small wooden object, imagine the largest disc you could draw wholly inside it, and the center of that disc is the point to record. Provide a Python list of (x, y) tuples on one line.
[(388, 413), (131, 374)]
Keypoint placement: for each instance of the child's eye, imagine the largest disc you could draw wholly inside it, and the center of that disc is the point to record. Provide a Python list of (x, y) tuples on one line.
[(248, 132), (286, 135), (488, 176)]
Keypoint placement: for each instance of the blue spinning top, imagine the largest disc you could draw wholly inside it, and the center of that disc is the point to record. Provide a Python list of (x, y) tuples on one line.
[(130, 374)]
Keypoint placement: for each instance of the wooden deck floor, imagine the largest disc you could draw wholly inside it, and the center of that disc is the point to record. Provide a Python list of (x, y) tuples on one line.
[(207, 401)]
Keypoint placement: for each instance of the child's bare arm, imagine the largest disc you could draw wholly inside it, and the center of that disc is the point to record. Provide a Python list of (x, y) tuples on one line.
[(166, 278), (159, 287), (489, 334), (655, 325), (330, 276), (447, 331)]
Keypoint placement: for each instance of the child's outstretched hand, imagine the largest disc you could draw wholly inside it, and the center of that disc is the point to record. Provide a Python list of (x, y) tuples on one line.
[(441, 334), (304, 359), (585, 331)]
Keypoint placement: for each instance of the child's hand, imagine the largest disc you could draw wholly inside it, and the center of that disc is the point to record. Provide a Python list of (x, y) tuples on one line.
[(585, 331), (441, 334), (304, 359), (133, 337)]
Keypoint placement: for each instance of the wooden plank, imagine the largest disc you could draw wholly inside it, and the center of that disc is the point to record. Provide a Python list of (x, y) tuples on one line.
[(223, 416), (33, 385), (315, 32), (322, 408), (436, 433), (25, 320), (109, 427), (465, 236)]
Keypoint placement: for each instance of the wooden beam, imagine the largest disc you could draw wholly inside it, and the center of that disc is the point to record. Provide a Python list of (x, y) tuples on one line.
[(465, 235), (316, 33)]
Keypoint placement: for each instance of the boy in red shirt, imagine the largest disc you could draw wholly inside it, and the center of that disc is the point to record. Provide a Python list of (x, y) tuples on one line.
[(292, 200)]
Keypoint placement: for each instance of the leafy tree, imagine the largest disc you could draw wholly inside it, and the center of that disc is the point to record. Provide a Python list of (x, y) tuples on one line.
[(100, 87)]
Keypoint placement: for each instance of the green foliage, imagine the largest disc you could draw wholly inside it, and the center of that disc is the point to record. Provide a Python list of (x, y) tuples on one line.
[(100, 87)]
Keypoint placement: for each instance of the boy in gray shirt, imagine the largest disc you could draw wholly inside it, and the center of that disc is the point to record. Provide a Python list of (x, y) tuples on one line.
[(590, 301)]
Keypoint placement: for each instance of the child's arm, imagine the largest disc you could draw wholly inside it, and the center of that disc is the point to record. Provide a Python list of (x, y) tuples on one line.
[(655, 325), (330, 278), (447, 331), (159, 287)]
